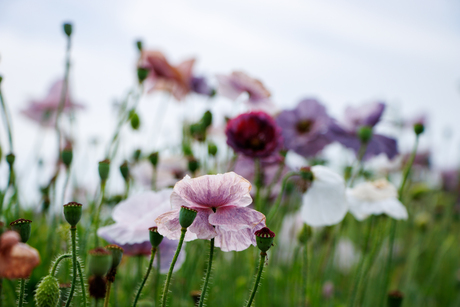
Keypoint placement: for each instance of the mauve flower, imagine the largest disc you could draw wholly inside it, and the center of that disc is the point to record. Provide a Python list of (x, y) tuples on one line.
[(324, 203), (306, 128), (44, 111), (221, 201), (237, 83), (200, 86), (133, 217), (450, 180), (164, 76), (364, 116), (17, 260), (254, 134), (377, 197)]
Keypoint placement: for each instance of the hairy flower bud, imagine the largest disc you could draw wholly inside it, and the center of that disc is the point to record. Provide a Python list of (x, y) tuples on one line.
[(22, 226), (104, 168), (47, 293), (187, 216), (72, 213), (155, 237), (99, 261), (264, 238)]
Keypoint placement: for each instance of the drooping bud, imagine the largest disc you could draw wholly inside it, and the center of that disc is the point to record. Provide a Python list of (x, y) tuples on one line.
[(365, 134), (153, 158), (142, 74), (72, 213), (134, 120), (23, 227), (67, 29), (47, 293), (264, 238), (193, 165), (117, 254), (97, 287), (124, 170), (67, 155), (139, 45), (212, 149), (187, 216), (395, 298), (99, 262), (155, 237), (104, 168), (419, 128)]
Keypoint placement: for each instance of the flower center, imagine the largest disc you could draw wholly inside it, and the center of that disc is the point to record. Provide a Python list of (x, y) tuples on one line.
[(304, 126), (256, 143)]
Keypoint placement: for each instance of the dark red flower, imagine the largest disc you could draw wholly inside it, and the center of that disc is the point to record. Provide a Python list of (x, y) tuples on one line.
[(254, 134)]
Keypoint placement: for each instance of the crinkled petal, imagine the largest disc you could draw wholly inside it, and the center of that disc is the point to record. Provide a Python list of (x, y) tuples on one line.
[(324, 203), (234, 240), (169, 226), (123, 234), (201, 226), (236, 218), (227, 88)]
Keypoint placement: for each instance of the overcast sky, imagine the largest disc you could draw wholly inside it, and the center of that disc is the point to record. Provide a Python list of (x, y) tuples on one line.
[(342, 52)]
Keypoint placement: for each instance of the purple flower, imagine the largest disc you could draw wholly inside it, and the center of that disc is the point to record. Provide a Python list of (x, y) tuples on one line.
[(254, 134), (200, 85), (221, 201), (450, 180), (133, 218), (305, 129), (356, 118)]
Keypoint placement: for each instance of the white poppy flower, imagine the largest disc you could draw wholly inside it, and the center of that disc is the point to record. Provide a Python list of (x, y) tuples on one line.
[(324, 203), (377, 197)]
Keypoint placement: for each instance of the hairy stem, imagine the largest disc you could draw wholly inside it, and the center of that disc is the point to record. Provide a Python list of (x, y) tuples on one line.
[(208, 274), (149, 268), (56, 263), (259, 274), (21, 292), (82, 283), (73, 233)]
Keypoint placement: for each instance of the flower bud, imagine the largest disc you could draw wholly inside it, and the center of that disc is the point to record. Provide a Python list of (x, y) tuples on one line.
[(47, 293), (67, 29), (187, 216), (99, 262), (306, 173), (72, 213), (139, 45), (142, 74), (193, 165), (212, 149), (124, 170), (10, 159), (104, 168), (117, 254), (67, 155), (22, 226), (264, 238), (137, 155), (135, 120), (198, 131), (207, 119), (419, 128), (1, 79), (304, 234), (97, 287), (153, 158), (187, 150), (365, 134), (155, 237), (395, 298)]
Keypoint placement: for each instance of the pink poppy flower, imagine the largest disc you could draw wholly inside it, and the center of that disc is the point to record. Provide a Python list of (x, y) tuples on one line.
[(176, 80), (17, 260), (221, 201), (44, 111)]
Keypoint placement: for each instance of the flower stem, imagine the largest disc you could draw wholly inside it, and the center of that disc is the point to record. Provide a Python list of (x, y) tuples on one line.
[(98, 213), (73, 233), (259, 274), (171, 268), (258, 182), (359, 160), (56, 263), (306, 273), (273, 210), (6, 117), (21, 292), (149, 268), (208, 273), (275, 179), (82, 283), (107, 296), (157, 276)]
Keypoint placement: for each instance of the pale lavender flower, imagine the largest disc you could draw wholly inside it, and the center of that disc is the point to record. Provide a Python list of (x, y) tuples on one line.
[(306, 128), (200, 85), (133, 218), (365, 115), (221, 201)]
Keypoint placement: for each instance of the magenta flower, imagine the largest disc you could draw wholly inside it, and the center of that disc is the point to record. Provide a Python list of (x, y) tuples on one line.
[(306, 128), (237, 83), (133, 217), (44, 111), (221, 201), (254, 134)]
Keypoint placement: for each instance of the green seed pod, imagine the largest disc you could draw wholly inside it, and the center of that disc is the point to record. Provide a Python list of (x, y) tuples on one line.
[(304, 234), (306, 173), (155, 237), (187, 216), (207, 119), (153, 158), (67, 29), (395, 299), (72, 213), (187, 150), (212, 149), (139, 45), (67, 155), (99, 261), (47, 293), (124, 170), (135, 121), (419, 128), (264, 238), (104, 168), (22, 226), (142, 74), (117, 254), (193, 165), (10, 159), (365, 134), (137, 154)]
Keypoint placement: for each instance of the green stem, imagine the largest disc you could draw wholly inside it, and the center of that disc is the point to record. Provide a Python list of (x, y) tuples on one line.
[(305, 274), (208, 274), (259, 274), (6, 117), (171, 268), (273, 210), (21, 292), (98, 213), (149, 268), (106, 301), (157, 277), (56, 263), (258, 182), (275, 179), (73, 233), (359, 160), (82, 283)]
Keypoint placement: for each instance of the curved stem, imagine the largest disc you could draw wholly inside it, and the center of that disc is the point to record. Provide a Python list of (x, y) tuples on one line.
[(56, 263), (208, 274), (273, 210), (21, 292), (259, 274), (107, 296), (98, 213), (171, 268), (82, 283), (149, 268), (73, 233)]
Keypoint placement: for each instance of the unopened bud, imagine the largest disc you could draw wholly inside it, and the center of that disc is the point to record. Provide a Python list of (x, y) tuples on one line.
[(135, 120), (264, 238), (137, 154), (187, 150), (212, 149), (67, 155), (1, 79), (187, 216), (104, 168), (155, 237), (193, 165), (142, 74), (72, 213), (139, 45), (419, 128), (99, 261), (10, 159), (124, 170), (153, 158), (306, 173), (47, 293), (207, 119), (68, 29), (365, 134), (23, 227), (304, 234)]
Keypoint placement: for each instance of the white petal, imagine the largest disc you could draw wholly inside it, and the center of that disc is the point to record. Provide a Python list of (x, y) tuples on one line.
[(395, 209)]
